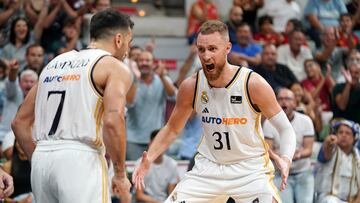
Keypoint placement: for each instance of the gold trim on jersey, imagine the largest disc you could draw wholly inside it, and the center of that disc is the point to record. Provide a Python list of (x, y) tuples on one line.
[(246, 94), (104, 180), (98, 115), (89, 75), (201, 140), (238, 73), (266, 157)]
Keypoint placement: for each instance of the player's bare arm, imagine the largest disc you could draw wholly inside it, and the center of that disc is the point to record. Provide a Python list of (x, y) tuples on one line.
[(169, 132), (114, 79), (23, 122), (264, 98)]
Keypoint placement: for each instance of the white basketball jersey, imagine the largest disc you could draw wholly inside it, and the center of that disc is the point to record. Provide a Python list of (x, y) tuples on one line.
[(68, 105), (232, 127)]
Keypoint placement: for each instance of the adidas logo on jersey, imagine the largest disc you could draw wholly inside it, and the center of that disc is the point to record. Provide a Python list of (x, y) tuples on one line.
[(205, 110)]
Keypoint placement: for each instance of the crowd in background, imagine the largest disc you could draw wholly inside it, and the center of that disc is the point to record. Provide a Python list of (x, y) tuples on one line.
[(310, 58)]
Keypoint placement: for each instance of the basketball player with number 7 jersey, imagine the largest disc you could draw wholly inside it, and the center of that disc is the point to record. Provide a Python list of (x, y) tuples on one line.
[(78, 93)]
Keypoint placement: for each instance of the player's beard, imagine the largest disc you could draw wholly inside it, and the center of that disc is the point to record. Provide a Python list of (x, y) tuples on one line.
[(218, 69)]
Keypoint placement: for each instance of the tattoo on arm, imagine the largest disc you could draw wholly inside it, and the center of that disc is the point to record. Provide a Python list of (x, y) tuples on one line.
[(113, 111)]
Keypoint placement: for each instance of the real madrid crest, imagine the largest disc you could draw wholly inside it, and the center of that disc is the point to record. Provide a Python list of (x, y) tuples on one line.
[(204, 97)]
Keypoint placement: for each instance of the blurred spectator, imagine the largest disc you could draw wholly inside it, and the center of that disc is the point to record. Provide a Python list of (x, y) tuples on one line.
[(101, 5), (56, 13), (282, 11), (267, 34), (150, 45), (346, 96), (319, 86), (135, 52), (330, 54), (9, 10), (353, 8), (190, 66), (161, 179), (96, 6), (347, 38), (235, 18), (146, 104), (321, 14), (190, 138), (20, 39), (337, 178), (250, 9), (294, 54), (277, 75), (353, 57), (15, 92), (70, 40), (76, 4), (305, 104), (192, 132), (3, 71), (300, 182), (245, 51), (201, 11), (291, 25), (19, 168), (34, 58)]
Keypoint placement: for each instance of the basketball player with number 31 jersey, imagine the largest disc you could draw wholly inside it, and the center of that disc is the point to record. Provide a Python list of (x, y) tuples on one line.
[(78, 93), (233, 158)]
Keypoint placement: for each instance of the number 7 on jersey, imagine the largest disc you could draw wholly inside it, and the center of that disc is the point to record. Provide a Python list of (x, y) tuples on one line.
[(57, 117)]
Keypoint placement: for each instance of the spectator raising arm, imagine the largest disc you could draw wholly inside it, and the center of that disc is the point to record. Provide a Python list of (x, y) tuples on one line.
[(342, 99), (5, 15), (168, 85), (187, 65), (50, 17)]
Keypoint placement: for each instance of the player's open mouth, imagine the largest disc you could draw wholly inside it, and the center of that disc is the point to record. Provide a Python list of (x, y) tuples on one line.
[(210, 67)]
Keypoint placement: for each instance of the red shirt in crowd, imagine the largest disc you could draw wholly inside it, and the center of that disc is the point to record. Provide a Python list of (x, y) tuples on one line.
[(344, 42), (271, 38), (194, 23), (324, 93)]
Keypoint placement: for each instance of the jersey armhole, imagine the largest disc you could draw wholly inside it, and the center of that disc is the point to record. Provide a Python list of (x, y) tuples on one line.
[(248, 94), (92, 81), (196, 89)]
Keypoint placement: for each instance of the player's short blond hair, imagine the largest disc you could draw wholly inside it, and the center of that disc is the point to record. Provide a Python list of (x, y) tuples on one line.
[(212, 26)]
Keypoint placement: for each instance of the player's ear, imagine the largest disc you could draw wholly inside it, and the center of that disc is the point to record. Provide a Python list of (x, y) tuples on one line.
[(118, 40), (228, 47)]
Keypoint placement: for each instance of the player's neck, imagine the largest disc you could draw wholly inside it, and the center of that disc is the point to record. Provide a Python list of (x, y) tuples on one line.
[(225, 77), (101, 45)]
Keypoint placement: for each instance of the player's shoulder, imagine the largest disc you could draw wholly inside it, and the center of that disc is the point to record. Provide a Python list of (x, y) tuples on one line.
[(256, 83), (189, 83), (112, 65)]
